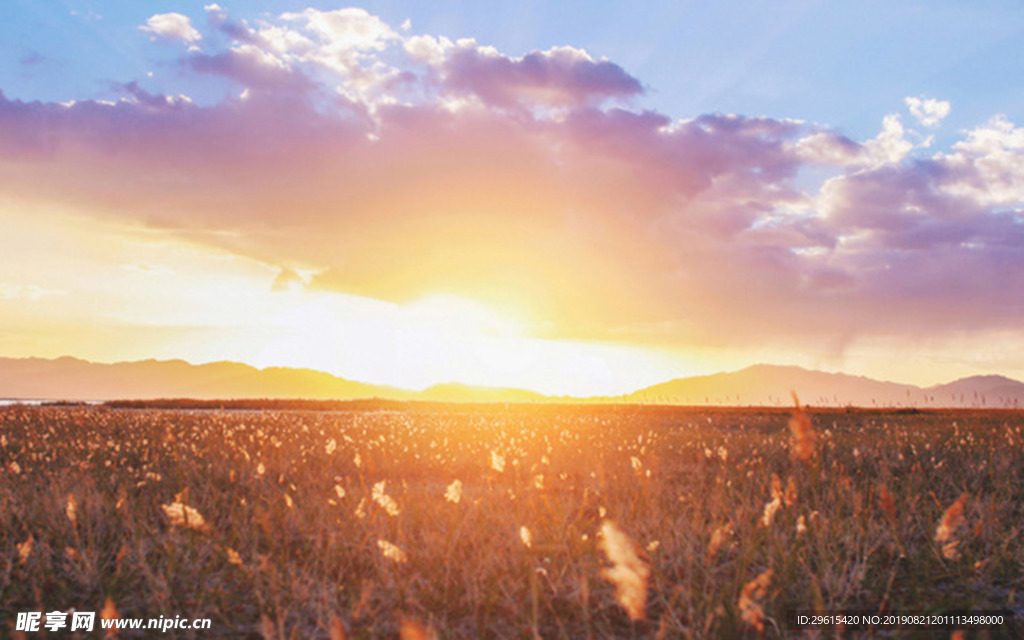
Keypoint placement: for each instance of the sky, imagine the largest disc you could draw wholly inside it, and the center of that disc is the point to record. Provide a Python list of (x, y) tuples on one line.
[(580, 198)]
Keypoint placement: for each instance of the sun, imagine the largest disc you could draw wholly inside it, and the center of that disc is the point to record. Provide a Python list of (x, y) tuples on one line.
[(440, 338)]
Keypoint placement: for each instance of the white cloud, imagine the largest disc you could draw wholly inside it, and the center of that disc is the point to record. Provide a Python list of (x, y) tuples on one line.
[(890, 146), (344, 33), (989, 164), (928, 111), (427, 49), (827, 147), (345, 41), (173, 26)]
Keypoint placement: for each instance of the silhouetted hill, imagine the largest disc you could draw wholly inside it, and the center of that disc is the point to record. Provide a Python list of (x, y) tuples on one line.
[(71, 378), (771, 385), (759, 385), (980, 391)]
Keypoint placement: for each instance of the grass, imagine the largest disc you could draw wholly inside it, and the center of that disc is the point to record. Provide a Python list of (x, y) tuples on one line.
[(345, 524)]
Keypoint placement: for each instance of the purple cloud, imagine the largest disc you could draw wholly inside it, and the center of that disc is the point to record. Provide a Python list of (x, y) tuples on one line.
[(392, 165), (558, 77)]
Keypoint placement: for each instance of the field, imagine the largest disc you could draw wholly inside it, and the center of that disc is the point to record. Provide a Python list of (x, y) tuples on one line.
[(481, 521)]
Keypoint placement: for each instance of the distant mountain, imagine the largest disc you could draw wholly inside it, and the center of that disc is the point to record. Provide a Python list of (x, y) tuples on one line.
[(760, 385), (771, 385), (980, 391), (70, 378)]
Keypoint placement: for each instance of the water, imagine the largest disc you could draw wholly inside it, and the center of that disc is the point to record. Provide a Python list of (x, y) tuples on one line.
[(36, 402), (6, 402)]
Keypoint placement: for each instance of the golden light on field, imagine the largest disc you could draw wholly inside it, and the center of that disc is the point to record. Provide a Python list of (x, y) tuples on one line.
[(443, 505)]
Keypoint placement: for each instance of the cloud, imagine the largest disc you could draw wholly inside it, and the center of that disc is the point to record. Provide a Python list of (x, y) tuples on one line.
[(928, 111), (172, 26), (344, 41), (32, 59), (986, 166), (940, 238), (561, 76), (344, 30), (254, 68), (30, 292), (891, 145), (396, 165), (830, 148), (427, 49), (288, 279)]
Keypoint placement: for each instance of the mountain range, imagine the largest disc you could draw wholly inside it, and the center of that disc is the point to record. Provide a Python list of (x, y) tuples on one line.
[(759, 385)]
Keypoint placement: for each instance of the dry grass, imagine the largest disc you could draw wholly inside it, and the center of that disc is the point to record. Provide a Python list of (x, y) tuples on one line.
[(301, 524)]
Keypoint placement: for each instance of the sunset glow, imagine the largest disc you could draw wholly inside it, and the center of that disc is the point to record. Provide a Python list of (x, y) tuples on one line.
[(567, 319), (400, 198)]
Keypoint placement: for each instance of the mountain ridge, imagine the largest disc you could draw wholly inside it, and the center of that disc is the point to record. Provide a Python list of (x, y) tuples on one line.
[(73, 378)]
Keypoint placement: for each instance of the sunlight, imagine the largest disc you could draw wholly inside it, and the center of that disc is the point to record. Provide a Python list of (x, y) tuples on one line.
[(444, 338), (453, 314)]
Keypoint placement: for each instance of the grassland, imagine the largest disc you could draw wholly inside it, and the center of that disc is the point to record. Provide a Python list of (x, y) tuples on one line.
[(486, 521)]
